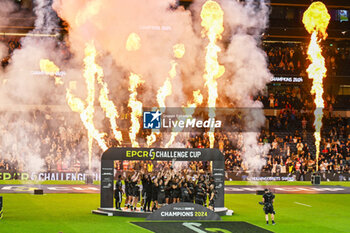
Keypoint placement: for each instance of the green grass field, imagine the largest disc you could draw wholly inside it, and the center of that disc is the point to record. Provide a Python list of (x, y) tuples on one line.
[(72, 213)]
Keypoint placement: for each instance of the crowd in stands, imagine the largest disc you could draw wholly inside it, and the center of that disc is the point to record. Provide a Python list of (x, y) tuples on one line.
[(283, 58), (41, 141), (60, 145), (12, 43), (298, 98), (290, 59)]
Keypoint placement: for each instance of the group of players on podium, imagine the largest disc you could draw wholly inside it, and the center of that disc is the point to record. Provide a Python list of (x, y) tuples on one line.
[(166, 187)]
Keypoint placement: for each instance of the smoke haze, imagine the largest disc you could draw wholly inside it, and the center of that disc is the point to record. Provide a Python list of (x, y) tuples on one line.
[(108, 24)]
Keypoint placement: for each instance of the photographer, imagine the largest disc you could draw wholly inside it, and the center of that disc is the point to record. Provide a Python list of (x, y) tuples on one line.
[(268, 199)]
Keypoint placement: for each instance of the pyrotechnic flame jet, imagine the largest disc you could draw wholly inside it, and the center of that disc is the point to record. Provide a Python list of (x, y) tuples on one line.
[(78, 105), (191, 107), (106, 104), (136, 108), (213, 26), (316, 20), (166, 90), (49, 68), (91, 71), (133, 43), (86, 109)]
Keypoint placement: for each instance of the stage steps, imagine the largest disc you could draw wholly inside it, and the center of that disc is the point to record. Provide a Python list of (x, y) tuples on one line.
[(100, 212)]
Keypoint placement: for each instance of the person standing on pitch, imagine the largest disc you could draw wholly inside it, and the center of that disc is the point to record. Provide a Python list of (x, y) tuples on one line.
[(268, 199)]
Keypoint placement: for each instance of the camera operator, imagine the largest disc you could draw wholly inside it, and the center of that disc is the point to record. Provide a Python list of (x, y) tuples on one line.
[(268, 199)]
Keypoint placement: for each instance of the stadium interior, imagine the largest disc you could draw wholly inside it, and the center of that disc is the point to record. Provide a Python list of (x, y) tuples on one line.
[(43, 137), (286, 99)]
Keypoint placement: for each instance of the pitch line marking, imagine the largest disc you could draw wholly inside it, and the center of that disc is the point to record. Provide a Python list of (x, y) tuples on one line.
[(302, 204)]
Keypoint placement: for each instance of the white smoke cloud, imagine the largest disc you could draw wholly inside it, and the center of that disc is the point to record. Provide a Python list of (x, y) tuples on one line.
[(159, 28), (46, 19), (108, 24), (3, 50), (6, 8), (22, 89), (247, 72)]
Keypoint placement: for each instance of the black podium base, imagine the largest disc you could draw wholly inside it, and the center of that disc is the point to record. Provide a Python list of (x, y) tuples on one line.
[(142, 214), (123, 213)]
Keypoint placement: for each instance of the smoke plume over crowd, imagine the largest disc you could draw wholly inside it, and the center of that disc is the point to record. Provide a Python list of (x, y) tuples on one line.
[(108, 24)]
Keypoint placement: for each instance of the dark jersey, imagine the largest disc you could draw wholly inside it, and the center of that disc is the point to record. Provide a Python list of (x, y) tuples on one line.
[(127, 188), (147, 187), (204, 185), (268, 206), (118, 185), (199, 193), (134, 188), (175, 191), (154, 188), (191, 187), (144, 184), (268, 198), (185, 194), (154, 192), (161, 194), (212, 197), (161, 189), (168, 190)]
